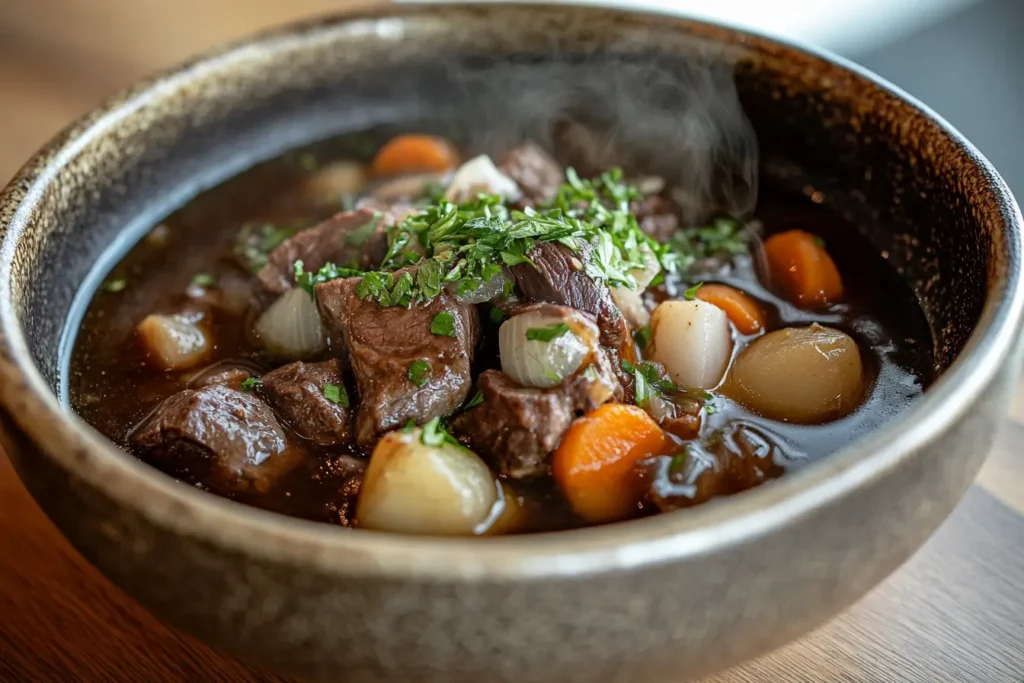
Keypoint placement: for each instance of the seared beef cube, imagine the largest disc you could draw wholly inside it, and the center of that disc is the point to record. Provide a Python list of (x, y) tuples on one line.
[(656, 216), (227, 440), (535, 172), (352, 239), (383, 344), (309, 397), (558, 275), (734, 460), (230, 373), (517, 428)]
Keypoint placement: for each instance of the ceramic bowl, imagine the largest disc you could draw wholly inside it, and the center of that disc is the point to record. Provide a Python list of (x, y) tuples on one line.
[(664, 598)]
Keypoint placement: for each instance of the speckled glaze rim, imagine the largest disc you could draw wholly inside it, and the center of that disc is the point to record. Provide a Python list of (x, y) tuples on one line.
[(89, 456)]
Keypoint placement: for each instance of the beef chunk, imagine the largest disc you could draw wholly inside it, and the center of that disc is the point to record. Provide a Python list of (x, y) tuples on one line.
[(230, 373), (535, 172), (734, 460), (518, 427), (557, 275), (391, 213), (355, 239), (382, 344), (227, 440), (656, 216), (296, 392)]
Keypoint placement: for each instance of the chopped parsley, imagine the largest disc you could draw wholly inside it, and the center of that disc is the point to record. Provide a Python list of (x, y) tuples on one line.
[(308, 281), (117, 285), (409, 426), (418, 372), (819, 241), (547, 333), (204, 280), (642, 336), (336, 393), (476, 400), (496, 315), (434, 434), (691, 293), (358, 236), (252, 384), (443, 324), (725, 237), (255, 242), (649, 383)]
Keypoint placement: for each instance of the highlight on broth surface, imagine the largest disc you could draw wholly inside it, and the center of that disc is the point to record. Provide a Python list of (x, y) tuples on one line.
[(431, 342)]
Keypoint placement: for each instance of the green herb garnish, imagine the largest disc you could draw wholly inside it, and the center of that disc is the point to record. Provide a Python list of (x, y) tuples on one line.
[(204, 280), (252, 384), (308, 162), (409, 426), (336, 393), (309, 281), (443, 324), (547, 333), (434, 434), (648, 381), (725, 237), (358, 236), (642, 336), (496, 315), (418, 372), (691, 293), (117, 285), (475, 400), (255, 242)]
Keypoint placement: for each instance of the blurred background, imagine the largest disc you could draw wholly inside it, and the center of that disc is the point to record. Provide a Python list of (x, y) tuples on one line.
[(961, 57)]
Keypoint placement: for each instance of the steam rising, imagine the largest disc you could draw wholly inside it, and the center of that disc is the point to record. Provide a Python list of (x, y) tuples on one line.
[(680, 119)]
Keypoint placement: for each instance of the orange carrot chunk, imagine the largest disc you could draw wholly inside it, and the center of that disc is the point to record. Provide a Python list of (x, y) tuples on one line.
[(799, 265), (744, 312), (595, 465), (414, 153)]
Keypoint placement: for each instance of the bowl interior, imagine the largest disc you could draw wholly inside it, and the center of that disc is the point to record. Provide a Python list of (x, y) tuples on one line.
[(922, 198)]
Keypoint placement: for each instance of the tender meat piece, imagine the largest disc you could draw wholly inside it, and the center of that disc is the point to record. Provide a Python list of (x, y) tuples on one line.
[(516, 428), (391, 213), (656, 216), (229, 441), (558, 276), (382, 343), (296, 392), (735, 460), (230, 373), (535, 172), (355, 239)]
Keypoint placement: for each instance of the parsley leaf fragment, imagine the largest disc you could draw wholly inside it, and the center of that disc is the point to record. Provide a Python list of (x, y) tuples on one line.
[(117, 285), (204, 280), (419, 371), (691, 293), (443, 324), (476, 400), (336, 393), (547, 333), (434, 434), (252, 384)]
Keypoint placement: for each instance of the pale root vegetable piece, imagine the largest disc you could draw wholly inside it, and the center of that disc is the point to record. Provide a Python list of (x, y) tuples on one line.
[(290, 328), (693, 340), (336, 179), (414, 488), (806, 375), (477, 175), (595, 465), (799, 265), (632, 306), (414, 153), (541, 348), (174, 342), (744, 312)]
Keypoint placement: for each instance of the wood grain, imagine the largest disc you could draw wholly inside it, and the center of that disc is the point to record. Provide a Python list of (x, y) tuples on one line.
[(953, 613)]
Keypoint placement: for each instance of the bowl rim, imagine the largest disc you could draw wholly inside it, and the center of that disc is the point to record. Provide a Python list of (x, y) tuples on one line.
[(78, 448)]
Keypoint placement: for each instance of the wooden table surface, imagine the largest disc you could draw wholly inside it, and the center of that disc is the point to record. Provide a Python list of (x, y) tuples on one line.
[(954, 613)]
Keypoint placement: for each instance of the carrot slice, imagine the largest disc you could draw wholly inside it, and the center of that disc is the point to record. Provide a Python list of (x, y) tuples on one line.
[(799, 264), (414, 153), (744, 312), (595, 465)]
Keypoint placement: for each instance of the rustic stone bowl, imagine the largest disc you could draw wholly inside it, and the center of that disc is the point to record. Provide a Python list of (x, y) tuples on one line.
[(660, 599)]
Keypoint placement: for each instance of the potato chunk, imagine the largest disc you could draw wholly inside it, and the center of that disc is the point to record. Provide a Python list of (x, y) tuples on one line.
[(806, 375), (174, 342), (693, 340)]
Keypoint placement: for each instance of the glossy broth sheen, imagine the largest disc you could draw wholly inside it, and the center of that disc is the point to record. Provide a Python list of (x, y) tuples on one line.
[(113, 386)]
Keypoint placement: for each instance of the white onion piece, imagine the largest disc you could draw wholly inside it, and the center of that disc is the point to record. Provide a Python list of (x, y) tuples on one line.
[(806, 375), (335, 179), (488, 291), (693, 340), (291, 327), (632, 306), (543, 364), (174, 342), (645, 275), (477, 175), (414, 488)]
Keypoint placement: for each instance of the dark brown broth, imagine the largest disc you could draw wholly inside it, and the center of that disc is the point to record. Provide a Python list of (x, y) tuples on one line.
[(112, 386)]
